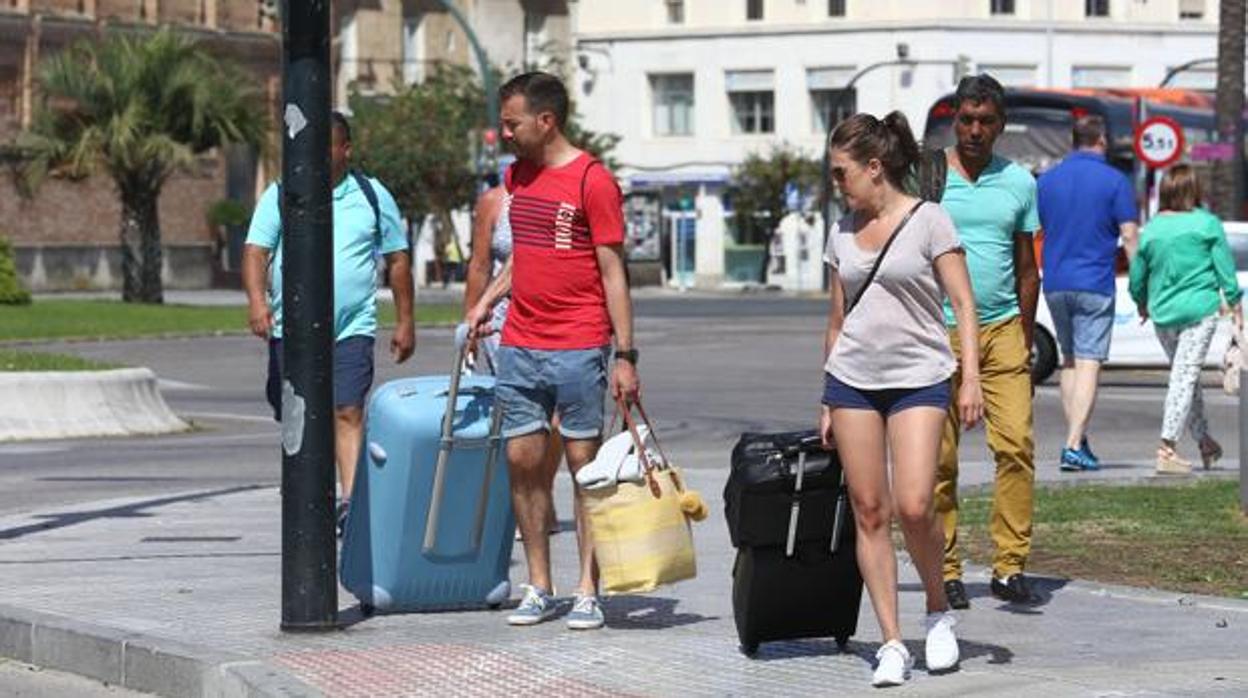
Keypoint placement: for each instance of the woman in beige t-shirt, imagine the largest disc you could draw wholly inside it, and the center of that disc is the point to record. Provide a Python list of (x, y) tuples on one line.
[(888, 366)]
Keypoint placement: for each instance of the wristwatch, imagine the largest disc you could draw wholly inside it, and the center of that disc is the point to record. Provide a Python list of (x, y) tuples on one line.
[(629, 355)]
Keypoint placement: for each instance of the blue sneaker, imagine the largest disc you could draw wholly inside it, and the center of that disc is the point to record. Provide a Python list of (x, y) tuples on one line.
[(1087, 448), (535, 607), (1076, 460), (586, 613)]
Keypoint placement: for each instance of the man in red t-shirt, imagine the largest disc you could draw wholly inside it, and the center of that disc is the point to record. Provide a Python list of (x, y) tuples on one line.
[(569, 296)]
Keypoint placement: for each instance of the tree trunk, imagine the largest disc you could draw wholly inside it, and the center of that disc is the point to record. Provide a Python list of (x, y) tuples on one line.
[(1228, 177), (141, 252)]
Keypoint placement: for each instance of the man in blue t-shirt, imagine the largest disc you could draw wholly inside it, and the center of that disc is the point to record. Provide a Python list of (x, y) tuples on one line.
[(366, 224), (1086, 205)]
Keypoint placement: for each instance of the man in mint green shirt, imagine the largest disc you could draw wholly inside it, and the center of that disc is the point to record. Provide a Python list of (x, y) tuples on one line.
[(992, 201), (366, 225)]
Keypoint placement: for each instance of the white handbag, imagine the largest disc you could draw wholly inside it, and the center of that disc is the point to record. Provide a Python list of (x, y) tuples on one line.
[(1232, 364)]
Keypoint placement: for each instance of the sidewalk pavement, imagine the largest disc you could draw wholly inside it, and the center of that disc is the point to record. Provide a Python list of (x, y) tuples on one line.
[(180, 596)]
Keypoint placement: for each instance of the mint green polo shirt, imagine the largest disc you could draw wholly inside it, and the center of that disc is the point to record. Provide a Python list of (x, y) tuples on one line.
[(987, 214), (359, 239)]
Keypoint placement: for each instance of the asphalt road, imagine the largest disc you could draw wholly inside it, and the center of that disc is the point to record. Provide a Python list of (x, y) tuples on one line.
[(711, 368)]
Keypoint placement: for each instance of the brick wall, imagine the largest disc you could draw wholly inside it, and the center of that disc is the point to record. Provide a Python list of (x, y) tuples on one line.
[(64, 212)]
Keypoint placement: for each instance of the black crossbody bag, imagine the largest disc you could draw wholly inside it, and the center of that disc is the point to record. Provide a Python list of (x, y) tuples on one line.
[(880, 258)]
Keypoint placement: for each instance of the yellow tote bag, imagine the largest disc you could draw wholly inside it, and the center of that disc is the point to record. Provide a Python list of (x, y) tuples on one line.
[(641, 530)]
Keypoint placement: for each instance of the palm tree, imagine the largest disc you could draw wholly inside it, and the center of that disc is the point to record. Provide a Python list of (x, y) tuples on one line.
[(139, 109), (1228, 180)]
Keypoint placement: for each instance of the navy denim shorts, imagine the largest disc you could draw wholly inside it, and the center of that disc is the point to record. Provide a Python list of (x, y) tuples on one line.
[(888, 401), (353, 373), (534, 384)]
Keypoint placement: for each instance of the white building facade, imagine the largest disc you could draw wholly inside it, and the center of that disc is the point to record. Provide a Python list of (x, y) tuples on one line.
[(693, 86)]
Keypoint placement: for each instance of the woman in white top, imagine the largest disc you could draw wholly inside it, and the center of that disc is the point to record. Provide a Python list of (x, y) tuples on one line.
[(888, 368), (491, 246)]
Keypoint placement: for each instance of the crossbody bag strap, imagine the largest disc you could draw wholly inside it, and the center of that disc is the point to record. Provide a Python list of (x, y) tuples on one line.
[(879, 259)]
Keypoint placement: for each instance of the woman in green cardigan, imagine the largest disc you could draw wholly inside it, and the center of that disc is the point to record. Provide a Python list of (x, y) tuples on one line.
[(1182, 276)]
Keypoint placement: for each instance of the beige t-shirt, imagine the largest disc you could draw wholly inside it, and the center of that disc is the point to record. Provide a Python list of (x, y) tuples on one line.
[(896, 337)]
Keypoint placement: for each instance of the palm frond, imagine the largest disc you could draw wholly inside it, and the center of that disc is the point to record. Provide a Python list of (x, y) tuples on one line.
[(140, 107)]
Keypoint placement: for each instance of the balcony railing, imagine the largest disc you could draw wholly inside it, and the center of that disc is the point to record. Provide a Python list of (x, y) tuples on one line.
[(229, 15)]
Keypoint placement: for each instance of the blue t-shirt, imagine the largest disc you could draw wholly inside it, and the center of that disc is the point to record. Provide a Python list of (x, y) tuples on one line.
[(988, 212), (359, 237), (1082, 202)]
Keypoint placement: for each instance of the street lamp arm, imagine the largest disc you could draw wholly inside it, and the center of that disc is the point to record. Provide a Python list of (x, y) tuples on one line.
[(1170, 74)]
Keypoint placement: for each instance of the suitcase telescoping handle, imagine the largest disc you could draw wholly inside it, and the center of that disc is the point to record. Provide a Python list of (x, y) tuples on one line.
[(796, 508), (446, 443), (838, 516)]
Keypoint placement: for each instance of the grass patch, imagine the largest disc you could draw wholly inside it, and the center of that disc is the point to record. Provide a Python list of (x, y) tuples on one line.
[(98, 319), (11, 361), (1190, 537)]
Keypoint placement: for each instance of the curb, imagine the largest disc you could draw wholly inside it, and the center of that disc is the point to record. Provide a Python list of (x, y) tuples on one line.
[(71, 404), (139, 662)]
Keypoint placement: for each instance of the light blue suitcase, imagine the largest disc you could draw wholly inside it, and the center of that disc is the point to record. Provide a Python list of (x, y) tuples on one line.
[(431, 525)]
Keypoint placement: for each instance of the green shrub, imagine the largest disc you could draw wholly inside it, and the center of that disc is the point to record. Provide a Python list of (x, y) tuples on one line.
[(228, 212), (11, 290)]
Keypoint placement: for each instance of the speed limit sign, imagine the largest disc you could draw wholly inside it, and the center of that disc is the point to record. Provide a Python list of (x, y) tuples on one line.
[(1159, 141)]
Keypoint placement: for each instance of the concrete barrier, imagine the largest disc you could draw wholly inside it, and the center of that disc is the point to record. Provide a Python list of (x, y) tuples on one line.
[(69, 404)]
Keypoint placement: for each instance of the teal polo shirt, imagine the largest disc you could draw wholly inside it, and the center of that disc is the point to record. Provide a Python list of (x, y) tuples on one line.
[(987, 213), (359, 238)]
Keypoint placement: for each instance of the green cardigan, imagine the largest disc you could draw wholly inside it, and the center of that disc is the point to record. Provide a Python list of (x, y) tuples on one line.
[(1184, 269)]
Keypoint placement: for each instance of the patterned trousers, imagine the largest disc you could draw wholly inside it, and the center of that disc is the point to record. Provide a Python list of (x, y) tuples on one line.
[(1186, 346)]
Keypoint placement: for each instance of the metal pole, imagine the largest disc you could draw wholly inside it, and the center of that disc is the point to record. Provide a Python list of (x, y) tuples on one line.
[(1243, 442), (1173, 72), (309, 582)]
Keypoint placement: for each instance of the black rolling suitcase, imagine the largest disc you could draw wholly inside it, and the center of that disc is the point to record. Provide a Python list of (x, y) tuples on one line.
[(796, 573)]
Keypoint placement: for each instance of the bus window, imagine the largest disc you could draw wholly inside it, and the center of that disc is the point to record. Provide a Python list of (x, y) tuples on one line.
[(1034, 137)]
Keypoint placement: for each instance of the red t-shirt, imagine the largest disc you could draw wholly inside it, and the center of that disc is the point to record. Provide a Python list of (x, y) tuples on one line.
[(557, 299)]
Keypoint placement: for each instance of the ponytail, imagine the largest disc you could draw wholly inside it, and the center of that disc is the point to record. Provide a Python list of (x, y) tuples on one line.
[(888, 140)]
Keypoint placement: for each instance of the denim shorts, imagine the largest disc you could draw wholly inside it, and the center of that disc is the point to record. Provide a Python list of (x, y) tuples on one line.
[(1084, 323), (887, 402), (353, 373), (535, 384)]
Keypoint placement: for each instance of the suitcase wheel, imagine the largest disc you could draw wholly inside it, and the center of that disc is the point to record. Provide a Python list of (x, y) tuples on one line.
[(749, 649), (367, 610), (842, 643)]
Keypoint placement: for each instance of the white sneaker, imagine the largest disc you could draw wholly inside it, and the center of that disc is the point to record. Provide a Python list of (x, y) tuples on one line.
[(941, 647), (894, 665)]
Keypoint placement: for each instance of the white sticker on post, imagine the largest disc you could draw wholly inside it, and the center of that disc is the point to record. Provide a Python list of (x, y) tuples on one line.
[(295, 121)]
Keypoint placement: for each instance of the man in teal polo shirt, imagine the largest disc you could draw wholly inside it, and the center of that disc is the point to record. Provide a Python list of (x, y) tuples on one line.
[(366, 224), (992, 201)]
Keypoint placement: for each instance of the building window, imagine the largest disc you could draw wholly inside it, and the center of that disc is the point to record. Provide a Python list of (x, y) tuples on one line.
[(1002, 7), (751, 94), (836, 8), (1100, 76), (830, 102), (1011, 75), (1096, 8), (1191, 9), (673, 104), (675, 11), (753, 112), (831, 107), (413, 49), (536, 38), (753, 9)]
